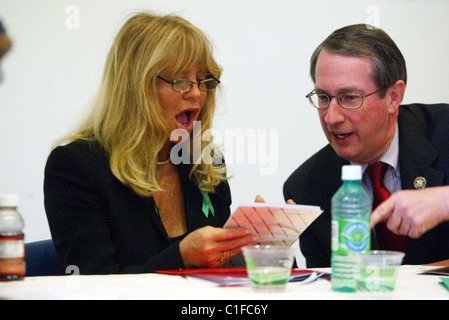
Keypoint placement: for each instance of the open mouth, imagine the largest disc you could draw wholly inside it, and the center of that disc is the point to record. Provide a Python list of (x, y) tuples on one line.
[(185, 119), (341, 136)]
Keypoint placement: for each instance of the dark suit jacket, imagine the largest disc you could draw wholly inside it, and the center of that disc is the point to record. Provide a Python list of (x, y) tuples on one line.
[(423, 152), (102, 226)]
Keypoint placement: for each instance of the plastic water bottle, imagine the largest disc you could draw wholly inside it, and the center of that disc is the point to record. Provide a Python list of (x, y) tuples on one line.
[(351, 234), (12, 243)]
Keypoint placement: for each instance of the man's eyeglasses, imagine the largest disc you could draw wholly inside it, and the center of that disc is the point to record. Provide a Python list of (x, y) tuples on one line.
[(182, 85), (350, 100)]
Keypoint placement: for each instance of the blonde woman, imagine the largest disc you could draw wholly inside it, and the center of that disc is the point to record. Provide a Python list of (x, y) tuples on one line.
[(116, 200)]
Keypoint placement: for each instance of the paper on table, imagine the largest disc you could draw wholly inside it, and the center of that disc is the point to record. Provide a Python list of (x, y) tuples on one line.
[(229, 277), (443, 271), (273, 223)]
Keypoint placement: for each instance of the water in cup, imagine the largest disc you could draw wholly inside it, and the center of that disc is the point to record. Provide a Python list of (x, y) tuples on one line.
[(269, 267)]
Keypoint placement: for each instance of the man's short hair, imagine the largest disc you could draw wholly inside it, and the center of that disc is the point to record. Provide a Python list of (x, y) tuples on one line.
[(365, 40)]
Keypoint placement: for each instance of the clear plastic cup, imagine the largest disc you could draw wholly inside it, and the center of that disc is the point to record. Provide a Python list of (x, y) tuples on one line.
[(269, 267), (378, 271)]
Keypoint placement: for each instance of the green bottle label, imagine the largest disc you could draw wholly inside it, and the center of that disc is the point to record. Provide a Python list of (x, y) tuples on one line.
[(350, 235)]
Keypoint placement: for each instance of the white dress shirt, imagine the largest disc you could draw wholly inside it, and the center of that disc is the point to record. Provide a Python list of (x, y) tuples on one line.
[(392, 176)]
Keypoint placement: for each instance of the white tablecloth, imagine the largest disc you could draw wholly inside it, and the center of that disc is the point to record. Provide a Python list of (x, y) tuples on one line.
[(410, 285)]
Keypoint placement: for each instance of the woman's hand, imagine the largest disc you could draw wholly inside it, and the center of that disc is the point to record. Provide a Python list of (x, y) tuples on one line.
[(213, 247)]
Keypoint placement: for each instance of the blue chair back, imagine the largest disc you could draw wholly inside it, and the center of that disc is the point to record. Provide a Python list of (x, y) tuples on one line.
[(41, 259)]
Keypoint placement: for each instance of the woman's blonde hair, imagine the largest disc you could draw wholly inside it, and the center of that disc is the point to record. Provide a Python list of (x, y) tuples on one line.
[(127, 119)]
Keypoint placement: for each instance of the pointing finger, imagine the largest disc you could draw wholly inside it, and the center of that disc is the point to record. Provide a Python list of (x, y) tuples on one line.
[(383, 212)]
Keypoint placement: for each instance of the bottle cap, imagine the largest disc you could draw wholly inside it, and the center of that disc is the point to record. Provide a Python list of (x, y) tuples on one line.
[(9, 200), (351, 173)]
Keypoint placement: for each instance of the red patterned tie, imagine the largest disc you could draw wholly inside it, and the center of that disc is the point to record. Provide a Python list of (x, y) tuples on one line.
[(386, 239)]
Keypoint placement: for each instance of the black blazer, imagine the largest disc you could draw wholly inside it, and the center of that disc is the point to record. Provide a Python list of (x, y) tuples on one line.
[(102, 226), (423, 152)]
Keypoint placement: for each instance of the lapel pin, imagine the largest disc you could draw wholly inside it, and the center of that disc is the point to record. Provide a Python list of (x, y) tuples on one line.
[(420, 183)]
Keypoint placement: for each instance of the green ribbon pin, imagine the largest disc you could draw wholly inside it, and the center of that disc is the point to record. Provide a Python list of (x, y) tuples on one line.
[(207, 204)]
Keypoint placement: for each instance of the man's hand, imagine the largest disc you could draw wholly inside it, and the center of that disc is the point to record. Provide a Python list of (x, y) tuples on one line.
[(260, 199), (413, 212)]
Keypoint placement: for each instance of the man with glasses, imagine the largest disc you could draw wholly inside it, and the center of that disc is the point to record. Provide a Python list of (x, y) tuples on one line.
[(360, 78)]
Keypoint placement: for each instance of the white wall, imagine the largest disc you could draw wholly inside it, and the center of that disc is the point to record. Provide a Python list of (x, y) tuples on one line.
[(264, 47)]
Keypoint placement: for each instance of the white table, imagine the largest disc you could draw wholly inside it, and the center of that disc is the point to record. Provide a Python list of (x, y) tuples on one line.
[(410, 285)]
